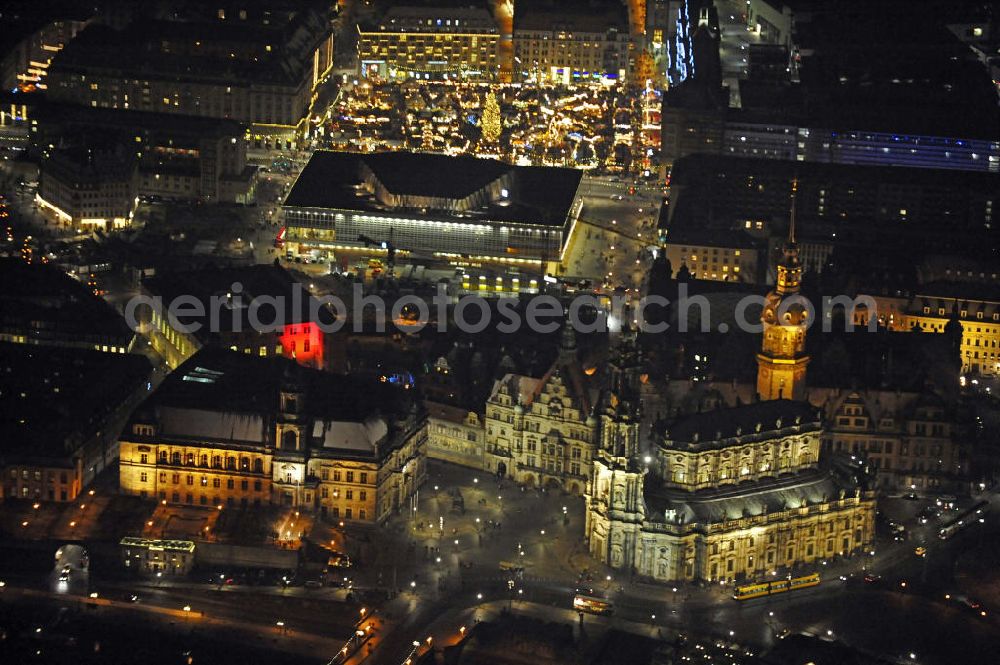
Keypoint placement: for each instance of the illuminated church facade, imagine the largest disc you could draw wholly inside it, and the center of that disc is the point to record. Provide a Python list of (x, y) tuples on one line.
[(730, 493)]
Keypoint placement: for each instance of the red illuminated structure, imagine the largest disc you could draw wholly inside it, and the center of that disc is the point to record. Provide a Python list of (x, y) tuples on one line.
[(304, 343)]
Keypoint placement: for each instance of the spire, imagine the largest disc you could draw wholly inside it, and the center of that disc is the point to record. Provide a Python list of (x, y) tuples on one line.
[(791, 220), (790, 252)]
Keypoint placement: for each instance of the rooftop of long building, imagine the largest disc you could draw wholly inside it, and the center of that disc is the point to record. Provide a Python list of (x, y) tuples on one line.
[(437, 185)]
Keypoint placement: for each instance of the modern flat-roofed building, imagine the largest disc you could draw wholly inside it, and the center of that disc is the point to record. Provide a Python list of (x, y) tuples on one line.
[(233, 429), (430, 43), (571, 42), (853, 207), (149, 556), (472, 208), (925, 100)]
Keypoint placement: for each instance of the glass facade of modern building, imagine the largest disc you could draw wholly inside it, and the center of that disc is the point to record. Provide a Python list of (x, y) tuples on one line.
[(774, 141), (328, 229)]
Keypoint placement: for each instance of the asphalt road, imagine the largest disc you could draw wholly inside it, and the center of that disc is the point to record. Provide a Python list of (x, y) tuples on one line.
[(882, 617)]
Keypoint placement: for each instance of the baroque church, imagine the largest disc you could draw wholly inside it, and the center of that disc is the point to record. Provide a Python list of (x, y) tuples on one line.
[(734, 492)]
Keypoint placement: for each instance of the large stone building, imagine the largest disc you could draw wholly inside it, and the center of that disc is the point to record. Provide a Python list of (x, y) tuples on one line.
[(60, 409), (427, 43), (34, 32), (178, 157), (738, 492), (973, 307), (236, 429), (252, 61), (90, 187), (724, 256), (455, 435), (542, 432), (571, 44), (42, 305), (910, 439), (728, 494), (293, 328)]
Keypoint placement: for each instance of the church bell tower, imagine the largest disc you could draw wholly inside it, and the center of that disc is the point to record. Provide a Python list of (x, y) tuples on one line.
[(782, 361)]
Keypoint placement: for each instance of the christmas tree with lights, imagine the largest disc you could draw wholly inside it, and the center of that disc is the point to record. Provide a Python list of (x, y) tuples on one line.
[(428, 137), (490, 122)]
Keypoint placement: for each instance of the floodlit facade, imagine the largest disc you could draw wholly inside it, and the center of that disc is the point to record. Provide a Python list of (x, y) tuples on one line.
[(787, 512), (782, 361), (459, 43), (541, 432), (731, 256), (976, 310), (197, 441), (147, 556), (89, 187), (739, 492), (571, 45), (455, 435)]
